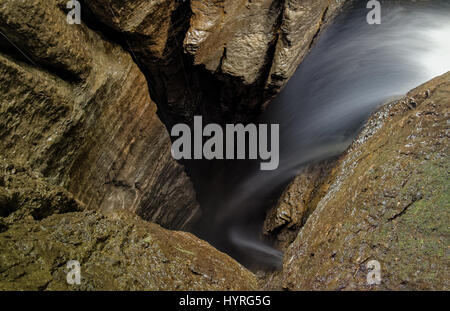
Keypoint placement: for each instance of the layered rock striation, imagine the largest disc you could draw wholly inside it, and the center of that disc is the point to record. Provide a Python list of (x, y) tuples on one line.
[(224, 59)]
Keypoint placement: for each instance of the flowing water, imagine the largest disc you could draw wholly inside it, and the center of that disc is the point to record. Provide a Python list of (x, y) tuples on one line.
[(353, 68)]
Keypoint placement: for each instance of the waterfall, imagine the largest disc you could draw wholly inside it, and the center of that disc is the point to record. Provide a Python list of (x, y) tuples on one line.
[(353, 68)]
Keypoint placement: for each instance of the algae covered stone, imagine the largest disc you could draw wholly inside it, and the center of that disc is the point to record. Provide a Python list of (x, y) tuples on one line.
[(388, 201)]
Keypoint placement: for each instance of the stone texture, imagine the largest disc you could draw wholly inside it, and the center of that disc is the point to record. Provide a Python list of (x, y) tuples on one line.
[(26, 195), (302, 23), (298, 202), (388, 201), (146, 24), (233, 36), (42, 228), (76, 109), (83, 151), (153, 32), (223, 59)]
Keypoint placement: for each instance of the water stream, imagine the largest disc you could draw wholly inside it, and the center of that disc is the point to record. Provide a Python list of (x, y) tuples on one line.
[(353, 68)]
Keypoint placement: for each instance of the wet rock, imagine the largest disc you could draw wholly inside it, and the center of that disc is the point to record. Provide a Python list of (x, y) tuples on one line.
[(233, 36), (116, 251), (261, 43), (43, 227), (148, 23), (76, 109), (223, 59), (297, 203), (301, 24), (84, 154), (387, 201), (153, 32), (25, 196)]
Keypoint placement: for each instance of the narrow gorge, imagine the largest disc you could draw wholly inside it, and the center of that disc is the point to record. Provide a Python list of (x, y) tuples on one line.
[(87, 172)]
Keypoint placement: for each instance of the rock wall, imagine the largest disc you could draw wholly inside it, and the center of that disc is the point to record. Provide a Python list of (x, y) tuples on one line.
[(76, 109), (84, 148), (116, 252), (82, 152), (224, 59), (217, 58), (297, 203), (387, 199)]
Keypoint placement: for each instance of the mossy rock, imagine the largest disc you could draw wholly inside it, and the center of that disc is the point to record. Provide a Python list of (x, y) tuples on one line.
[(388, 201)]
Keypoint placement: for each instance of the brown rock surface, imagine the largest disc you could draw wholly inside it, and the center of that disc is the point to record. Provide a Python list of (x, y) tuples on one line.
[(302, 22), (79, 131), (153, 32), (260, 42), (298, 202), (76, 109), (223, 58), (76, 116), (42, 228), (147, 23), (26, 195), (388, 201), (233, 36)]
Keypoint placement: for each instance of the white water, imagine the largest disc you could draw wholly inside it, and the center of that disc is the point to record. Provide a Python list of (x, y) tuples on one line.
[(353, 68)]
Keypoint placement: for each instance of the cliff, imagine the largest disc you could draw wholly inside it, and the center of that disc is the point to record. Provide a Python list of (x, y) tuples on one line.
[(224, 59), (76, 109), (86, 172)]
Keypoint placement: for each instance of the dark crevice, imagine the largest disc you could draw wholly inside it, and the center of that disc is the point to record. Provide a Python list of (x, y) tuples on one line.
[(403, 211), (8, 48), (222, 58)]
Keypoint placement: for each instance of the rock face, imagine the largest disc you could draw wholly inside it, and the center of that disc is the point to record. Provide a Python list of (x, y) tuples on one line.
[(388, 200), (90, 125), (76, 109), (42, 228), (24, 195), (302, 21), (85, 151), (223, 59), (233, 37), (298, 202)]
